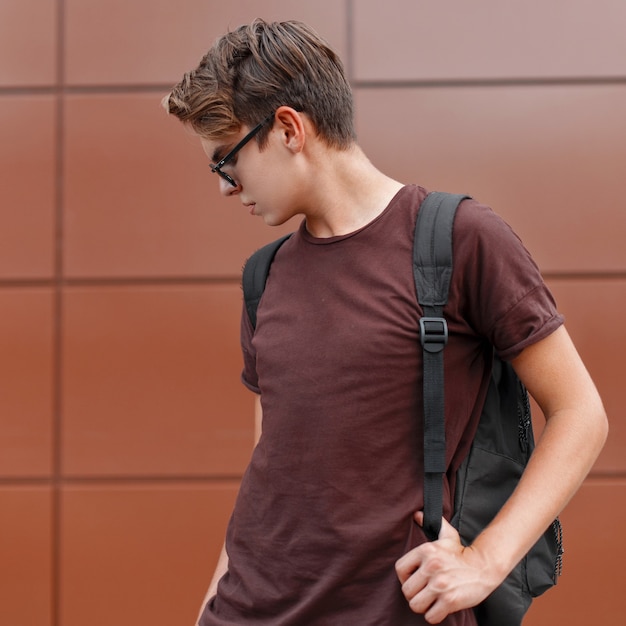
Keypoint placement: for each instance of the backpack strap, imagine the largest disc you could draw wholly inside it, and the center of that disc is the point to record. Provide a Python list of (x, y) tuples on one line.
[(255, 274), (432, 270)]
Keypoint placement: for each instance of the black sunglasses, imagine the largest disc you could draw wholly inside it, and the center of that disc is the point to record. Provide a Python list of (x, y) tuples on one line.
[(217, 168)]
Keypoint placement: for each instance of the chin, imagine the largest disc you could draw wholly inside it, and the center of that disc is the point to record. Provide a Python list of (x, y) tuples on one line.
[(273, 220)]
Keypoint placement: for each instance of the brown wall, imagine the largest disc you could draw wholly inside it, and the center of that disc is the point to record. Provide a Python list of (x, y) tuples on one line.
[(123, 427)]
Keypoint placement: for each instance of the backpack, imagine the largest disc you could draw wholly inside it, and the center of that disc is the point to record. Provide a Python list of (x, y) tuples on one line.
[(503, 441), (504, 438)]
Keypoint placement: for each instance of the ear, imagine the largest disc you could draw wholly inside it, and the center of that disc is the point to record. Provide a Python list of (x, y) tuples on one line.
[(292, 128)]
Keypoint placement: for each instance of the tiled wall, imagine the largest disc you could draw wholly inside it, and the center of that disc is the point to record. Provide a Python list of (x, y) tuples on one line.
[(123, 426)]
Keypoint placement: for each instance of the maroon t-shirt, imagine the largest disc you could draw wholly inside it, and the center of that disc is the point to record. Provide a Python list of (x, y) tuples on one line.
[(325, 507)]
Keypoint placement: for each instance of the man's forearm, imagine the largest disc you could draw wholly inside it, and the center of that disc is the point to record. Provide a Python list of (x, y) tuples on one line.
[(220, 570), (575, 431), (222, 563), (564, 455)]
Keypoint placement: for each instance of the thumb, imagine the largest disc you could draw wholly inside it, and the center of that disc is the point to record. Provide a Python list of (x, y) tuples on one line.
[(447, 530)]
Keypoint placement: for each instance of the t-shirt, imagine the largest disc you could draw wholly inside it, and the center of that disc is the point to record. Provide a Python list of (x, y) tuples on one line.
[(326, 505)]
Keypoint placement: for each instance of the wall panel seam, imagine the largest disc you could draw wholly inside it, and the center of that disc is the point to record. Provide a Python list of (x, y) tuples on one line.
[(163, 88), (56, 521), (235, 280), (185, 479), (123, 480), (488, 82)]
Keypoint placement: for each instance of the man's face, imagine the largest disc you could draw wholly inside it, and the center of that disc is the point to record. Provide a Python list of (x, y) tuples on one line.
[(256, 176)]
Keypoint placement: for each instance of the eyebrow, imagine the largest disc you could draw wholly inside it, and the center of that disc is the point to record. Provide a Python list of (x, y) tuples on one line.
[(219, 151)]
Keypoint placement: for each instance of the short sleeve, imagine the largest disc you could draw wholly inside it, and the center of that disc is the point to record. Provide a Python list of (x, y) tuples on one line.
[(249, 375), (499, 287)]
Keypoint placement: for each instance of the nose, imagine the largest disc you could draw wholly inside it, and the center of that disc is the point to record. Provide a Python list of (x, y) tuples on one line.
[(226, 189)]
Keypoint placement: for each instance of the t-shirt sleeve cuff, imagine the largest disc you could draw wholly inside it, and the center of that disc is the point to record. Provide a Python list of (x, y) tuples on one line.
[(547, 329), (249, 385)]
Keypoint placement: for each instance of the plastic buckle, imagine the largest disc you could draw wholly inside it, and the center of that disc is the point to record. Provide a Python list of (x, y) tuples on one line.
[(433, 333)]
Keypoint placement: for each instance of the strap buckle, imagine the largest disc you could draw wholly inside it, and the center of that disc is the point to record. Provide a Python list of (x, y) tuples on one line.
[(433, 333)]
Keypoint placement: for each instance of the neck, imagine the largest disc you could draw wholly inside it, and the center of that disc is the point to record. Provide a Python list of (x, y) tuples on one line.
[(346, 193)]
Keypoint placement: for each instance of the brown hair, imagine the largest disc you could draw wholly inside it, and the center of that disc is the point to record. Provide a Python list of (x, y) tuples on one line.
[(253, 70)]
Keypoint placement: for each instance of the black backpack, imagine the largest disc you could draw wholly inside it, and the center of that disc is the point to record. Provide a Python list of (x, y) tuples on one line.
[(504, 439)]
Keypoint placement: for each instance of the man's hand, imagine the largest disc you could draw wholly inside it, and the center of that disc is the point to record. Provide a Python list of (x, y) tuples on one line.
[(442, 577)]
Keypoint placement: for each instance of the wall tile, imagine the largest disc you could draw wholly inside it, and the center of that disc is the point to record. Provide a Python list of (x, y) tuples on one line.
[(26, 377), (594, 311), (27, 42), (27, 163), (141, 200), (151, 382), (591, 588), (487, 39), (154, 557), (549, 159), (26, 556), (157, 41)]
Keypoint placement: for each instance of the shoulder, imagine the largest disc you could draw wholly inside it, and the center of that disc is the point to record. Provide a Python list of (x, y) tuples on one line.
[(485, 240), (478, 220), (496, 284)]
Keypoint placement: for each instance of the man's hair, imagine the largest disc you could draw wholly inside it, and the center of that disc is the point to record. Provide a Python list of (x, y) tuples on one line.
[(253, 70)]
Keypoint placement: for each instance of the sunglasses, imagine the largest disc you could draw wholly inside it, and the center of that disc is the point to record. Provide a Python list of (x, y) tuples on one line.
[(217, 168)]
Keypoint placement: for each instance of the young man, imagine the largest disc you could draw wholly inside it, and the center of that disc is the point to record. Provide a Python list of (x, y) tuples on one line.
[(326, 529)]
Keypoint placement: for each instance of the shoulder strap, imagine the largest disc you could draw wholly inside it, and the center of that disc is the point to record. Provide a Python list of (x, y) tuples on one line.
[(255, 274), (432, 269)]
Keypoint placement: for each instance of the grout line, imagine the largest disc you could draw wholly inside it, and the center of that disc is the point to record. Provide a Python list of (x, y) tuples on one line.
[(591, 275), (156, 281), (147, 479), (165, 281), (112, 89), (9, 283), (350, 41), (56, 482), (182, 479), (552, 81), (129, 480), (382, 83)]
